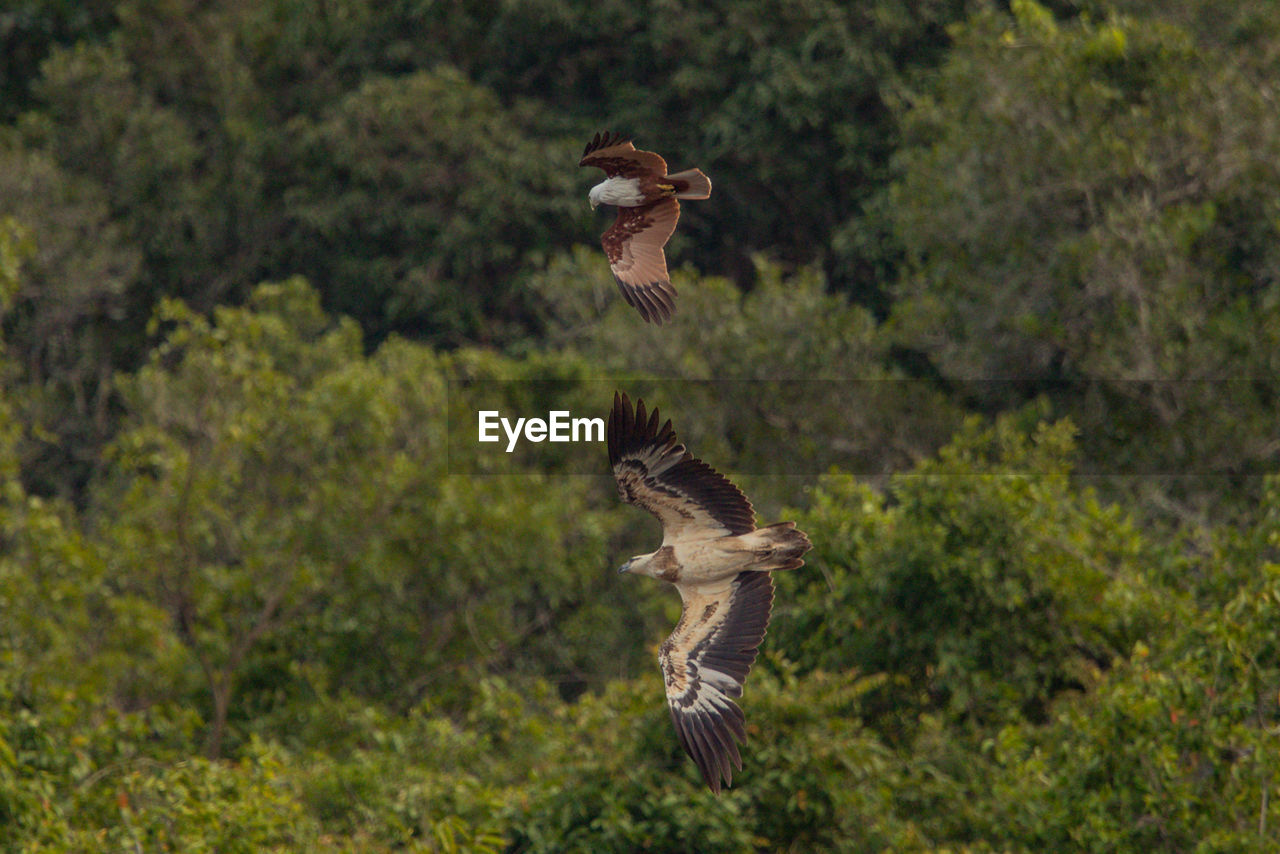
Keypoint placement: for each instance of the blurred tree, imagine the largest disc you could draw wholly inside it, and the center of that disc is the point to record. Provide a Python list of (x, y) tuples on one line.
[(1090, 211), (77, 780), (240, 141), (16, 249), (984, 584), (309, 54), (63, 325), (783, 104), (181, 167), (72, 648), (787, 379), (30, 28), (221, 522), (170, 205), (64, 630), (812, 777), (1248, 31), (416, 204), (200, 106), (1173, 749), (288, 502)]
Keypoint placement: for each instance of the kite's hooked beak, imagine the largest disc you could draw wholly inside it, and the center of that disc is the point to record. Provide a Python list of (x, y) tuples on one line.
[(626, 567), (594, 203)]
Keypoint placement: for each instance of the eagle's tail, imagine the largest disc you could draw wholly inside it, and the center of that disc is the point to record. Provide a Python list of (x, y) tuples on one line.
[(782, 546), (691, 184)]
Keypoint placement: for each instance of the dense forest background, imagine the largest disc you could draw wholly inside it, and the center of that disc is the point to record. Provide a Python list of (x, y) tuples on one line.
[(987, 299)]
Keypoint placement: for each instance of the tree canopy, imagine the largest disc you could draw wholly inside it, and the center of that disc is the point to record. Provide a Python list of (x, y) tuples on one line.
[(985, 300)]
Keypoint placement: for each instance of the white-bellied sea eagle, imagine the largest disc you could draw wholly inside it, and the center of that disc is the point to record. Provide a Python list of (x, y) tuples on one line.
[(719, 561)]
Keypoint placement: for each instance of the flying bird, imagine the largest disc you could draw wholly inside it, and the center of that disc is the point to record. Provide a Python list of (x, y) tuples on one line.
[(719, 561), (646, 197)]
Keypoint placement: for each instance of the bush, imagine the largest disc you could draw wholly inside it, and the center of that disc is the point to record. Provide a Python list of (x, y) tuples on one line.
[(983, 584)]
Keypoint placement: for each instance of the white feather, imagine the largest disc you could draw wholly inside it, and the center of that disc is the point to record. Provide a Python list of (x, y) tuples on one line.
[(619, 191)]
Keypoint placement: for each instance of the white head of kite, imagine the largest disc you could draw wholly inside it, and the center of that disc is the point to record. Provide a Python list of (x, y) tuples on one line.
[(637, 183), (720, 562)]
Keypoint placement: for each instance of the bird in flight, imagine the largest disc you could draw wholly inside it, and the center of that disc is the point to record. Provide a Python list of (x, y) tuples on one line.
[(719, 562), (646, 197)]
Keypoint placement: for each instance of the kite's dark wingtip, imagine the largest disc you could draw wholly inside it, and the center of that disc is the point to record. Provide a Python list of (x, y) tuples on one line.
[(604, 139), (654, 300)]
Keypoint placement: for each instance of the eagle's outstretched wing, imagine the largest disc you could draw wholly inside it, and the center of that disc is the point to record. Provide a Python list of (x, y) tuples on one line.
[(654, 471), (705, 662), (633, 245), (615, 154)]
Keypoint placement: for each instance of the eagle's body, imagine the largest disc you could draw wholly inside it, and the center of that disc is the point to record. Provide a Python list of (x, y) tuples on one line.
[(647, 197), (719, 562), (718, 558)]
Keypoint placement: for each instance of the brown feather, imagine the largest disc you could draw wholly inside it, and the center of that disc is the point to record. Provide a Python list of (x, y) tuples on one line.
[(656, 472), (633, 245), (708, 645), (615, 154)]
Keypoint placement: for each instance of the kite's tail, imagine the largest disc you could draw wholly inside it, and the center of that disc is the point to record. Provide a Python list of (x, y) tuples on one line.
[(691, 184), (782, 546)]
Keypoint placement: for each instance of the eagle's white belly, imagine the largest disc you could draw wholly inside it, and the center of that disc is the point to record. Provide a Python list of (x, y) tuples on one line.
[(710, 560), (623, 192)]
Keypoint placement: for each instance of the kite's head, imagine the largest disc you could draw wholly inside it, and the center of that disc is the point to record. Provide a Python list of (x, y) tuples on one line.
[(626, 567)]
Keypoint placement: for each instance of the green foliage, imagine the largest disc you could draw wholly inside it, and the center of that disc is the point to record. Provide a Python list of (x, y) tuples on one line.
[(235, 139), (65, 628), (424, 779), (786, 365), (15, 245), (287, 501), (59, 328), (1172, 750), (783, 104), (100, 123), (431, 166), (1248, 30), (77, 779), (983, 584), (201, 806), (813, 779), (226, 435), (1089, 210), (30, 28), (786, 327), (259, 590)]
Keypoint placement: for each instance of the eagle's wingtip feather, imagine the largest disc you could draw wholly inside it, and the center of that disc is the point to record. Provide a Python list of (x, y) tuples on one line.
[(604, 139)]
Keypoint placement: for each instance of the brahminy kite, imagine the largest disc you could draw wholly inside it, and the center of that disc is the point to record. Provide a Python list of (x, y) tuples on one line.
[(646, 197)]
